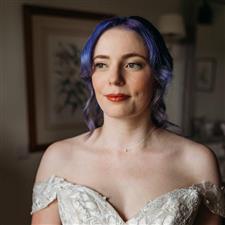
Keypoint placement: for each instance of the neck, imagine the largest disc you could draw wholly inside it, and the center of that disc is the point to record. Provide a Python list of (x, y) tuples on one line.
[(118, 134)]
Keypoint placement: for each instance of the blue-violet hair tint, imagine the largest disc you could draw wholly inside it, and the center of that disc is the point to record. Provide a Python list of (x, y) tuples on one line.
[(159, 59)]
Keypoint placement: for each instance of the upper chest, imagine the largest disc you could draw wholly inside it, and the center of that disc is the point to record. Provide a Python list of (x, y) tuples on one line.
[(128, 181), (90, 165)]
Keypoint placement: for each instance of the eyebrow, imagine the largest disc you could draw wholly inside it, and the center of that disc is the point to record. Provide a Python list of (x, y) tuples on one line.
[(128, 55)]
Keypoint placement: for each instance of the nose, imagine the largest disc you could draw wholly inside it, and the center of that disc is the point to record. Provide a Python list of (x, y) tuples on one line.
[(116, 76)]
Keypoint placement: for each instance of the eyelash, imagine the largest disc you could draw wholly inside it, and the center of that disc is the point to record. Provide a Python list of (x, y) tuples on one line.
[(135, 66), (96, 65)]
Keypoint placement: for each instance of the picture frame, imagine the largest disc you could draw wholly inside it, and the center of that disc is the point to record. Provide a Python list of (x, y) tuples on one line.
[(53, 39), (205, 74)]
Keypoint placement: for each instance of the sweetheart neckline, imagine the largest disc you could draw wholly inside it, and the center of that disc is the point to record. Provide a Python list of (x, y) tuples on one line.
[(140, 210), (111, 207)]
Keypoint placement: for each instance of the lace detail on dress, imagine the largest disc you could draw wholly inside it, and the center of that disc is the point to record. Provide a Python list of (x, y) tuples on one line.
[(79, 204), (45, 192), (213, 197)]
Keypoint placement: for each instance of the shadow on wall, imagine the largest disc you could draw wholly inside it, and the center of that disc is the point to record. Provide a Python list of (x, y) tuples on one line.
[(15, 195)]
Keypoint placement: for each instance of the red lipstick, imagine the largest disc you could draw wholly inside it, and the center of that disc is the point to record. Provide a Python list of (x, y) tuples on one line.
[(117, 97)]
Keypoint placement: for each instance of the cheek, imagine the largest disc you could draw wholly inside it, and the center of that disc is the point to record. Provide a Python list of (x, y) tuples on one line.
[(97, 84), (143, 87)]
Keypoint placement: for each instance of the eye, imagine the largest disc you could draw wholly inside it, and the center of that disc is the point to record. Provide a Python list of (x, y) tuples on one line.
[(134, 66), (100, 66)]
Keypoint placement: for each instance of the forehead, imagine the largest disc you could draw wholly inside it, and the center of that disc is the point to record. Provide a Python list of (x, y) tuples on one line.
[(120, 40)]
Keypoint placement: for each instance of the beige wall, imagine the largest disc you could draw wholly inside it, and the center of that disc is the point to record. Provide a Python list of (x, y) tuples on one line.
[(211, 43), (17, 165)]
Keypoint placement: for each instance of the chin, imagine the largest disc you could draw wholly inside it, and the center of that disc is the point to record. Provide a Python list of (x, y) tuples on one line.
[(125, 112), (120, 110), (116, 113)]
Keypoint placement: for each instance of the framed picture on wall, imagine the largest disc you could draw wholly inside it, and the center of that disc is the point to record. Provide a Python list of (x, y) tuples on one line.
[(53, 40), (205, 74)]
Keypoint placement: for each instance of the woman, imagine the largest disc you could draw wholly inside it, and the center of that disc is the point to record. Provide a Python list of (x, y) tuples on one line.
[(128, 169)]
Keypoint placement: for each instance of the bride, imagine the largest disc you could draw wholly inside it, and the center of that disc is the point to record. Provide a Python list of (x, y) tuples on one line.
[(128, 169)]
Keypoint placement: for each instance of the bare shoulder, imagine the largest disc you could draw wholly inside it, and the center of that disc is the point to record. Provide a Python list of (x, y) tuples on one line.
[(197, 161), (202, 162), (57, 156)]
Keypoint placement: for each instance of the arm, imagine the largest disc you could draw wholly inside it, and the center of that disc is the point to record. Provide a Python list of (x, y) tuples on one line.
[(206, 169), (50, 162), (47, 215)]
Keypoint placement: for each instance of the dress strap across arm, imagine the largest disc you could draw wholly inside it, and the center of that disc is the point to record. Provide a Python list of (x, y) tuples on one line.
[(213, 197), (45, 192)]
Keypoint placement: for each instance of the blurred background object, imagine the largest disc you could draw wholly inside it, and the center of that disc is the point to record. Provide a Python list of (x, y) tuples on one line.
[(205, 13), (172, 27)]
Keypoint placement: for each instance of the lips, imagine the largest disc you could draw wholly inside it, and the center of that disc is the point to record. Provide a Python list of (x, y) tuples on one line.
[(117, 97)]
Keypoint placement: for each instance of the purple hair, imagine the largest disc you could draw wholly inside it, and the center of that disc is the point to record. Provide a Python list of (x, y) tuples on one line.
[(160, 61)]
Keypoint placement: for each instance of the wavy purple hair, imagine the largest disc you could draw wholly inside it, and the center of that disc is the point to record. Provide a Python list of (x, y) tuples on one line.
[(159, 59)]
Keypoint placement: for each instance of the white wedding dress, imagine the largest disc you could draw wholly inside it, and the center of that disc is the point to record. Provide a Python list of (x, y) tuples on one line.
[(79, 204)]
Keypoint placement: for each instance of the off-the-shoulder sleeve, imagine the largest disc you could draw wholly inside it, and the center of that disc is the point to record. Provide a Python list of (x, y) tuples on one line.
[(45, 192), (213, 197)]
